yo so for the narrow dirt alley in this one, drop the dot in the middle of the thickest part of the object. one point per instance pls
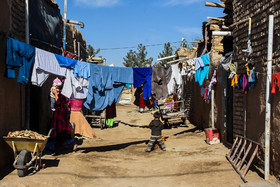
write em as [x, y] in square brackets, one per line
[117, 158]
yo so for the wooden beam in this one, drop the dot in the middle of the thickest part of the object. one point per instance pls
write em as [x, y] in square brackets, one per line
[225, 27]
[218, 5]
[215, 18]
[214, 27]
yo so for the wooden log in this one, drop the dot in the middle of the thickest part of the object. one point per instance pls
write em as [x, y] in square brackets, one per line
[214, 27]
[225, 27]
[218, 5]
[216, 18]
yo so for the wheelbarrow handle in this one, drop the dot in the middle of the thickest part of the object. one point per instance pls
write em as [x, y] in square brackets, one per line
[49, 134]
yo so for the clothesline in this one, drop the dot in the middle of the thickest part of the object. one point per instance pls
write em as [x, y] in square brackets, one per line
[98, 85]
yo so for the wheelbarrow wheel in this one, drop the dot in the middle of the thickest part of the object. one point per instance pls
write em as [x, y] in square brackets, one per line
[23, 158]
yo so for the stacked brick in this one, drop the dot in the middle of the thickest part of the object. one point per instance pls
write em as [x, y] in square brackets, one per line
[74, 36]
[250, 108]
[18, 20]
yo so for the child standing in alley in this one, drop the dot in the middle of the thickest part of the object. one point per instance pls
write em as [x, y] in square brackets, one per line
[156, 126]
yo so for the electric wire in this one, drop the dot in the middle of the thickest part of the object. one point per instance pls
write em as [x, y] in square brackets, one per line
[150, 45]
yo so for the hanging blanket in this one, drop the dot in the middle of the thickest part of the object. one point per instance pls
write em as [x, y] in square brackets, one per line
[106, 85]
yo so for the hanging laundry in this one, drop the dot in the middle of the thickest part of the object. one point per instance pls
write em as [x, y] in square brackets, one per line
[82, 69]
[234, 81]
[127, 86]
[245, 82]
[198, 63]
[65, 61]
[202, 91]
[45, 63]
[275, 82]
[251, 79]
[247, 69]
[225, 62]
[202, 72]
[190, 67]
[20, 55]
[143, 76]
[240, 82]
[68, 54]
[183, 69]
[75, 87]
[159, 83]
[206, 93]
[167, 73]
[232, 69]
[106, 85]
[176, 78]
[212, 82]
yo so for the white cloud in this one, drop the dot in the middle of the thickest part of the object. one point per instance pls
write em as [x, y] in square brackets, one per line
[190, 32]
[98, 3]
[181, 2]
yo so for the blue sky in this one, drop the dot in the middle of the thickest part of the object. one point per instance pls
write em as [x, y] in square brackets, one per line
[127, 23]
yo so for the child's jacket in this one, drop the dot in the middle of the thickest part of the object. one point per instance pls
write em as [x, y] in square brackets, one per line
[156, 126]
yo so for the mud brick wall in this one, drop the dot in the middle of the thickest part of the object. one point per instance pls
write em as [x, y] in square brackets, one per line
[199, 110]
[254, 100]
[73, 36]
[12, 23]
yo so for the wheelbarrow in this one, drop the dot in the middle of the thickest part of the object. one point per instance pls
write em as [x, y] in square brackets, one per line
[30, 151]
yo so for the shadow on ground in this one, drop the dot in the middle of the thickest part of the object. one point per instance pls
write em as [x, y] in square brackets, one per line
[187, 131]
[6, 171]
[141, 176]
[110, 147]
[130, 125]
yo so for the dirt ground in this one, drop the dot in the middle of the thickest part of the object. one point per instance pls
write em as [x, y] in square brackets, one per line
[117, 158]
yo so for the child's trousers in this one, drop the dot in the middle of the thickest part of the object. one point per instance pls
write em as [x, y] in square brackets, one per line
[152, 141]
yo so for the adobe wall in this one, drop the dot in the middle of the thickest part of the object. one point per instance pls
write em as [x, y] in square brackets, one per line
[11, 24]
[254, 127]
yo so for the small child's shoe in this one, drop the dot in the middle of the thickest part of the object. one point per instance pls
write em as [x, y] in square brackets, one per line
[163, 149]
[148, 150]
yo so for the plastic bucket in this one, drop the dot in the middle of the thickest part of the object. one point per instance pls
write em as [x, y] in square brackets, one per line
[212, 136]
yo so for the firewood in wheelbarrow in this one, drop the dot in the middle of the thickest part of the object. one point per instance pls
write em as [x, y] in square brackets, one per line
[26, 134]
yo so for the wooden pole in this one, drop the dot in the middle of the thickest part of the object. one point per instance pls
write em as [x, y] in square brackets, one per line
[218, 5]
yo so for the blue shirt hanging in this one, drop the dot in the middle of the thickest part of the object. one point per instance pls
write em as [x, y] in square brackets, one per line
[65, 61]
[21, 55]
[203, 71]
